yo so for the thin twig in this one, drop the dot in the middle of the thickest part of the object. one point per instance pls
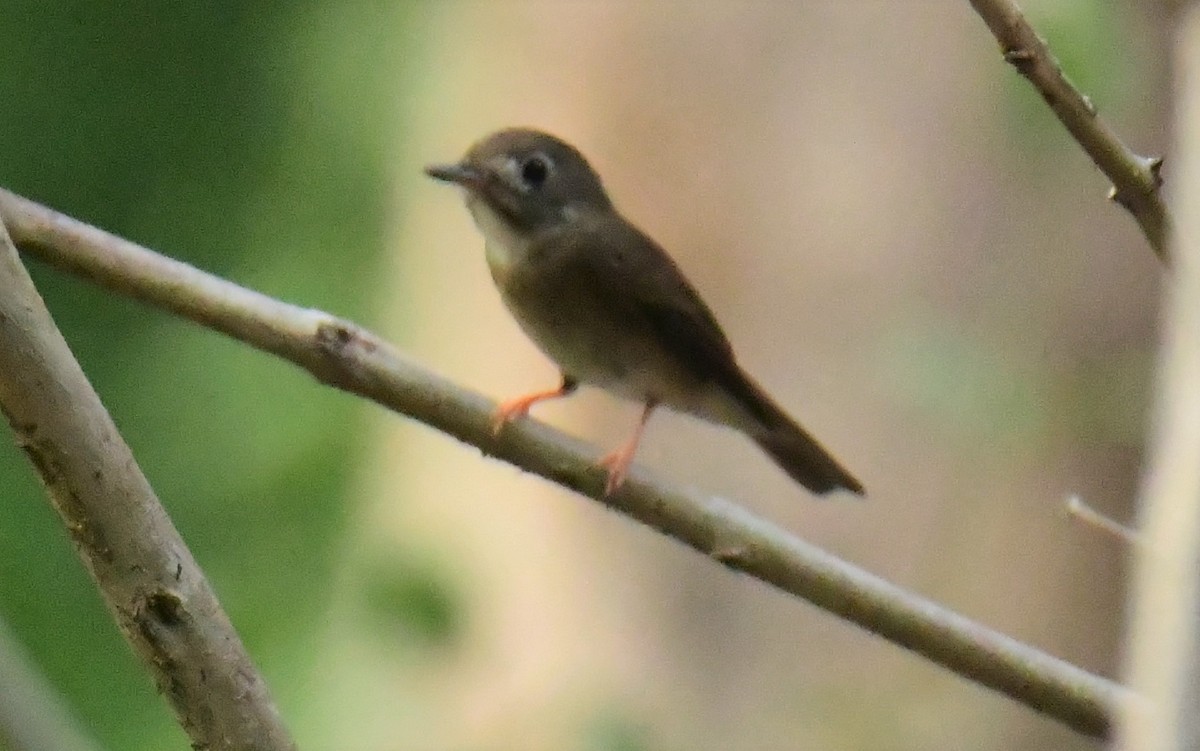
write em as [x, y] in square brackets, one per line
[1079, 509]
[1135, 179]
[155, 590]
[1164, 642]
[347, 357]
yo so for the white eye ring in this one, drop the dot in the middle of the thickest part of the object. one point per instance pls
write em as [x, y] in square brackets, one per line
[534, 170]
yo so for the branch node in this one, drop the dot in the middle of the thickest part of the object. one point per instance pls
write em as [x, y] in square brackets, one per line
[1020, 58]
[734, 555]
[1155, 164]
[166, 607]
[336, 335]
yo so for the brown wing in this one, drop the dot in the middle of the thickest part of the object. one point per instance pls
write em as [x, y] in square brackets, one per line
[630, 272]
[619, 274]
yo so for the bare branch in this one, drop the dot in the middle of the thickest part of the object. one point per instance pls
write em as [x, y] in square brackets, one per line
[1136, 179]
[341, 354]
[1164, 641]
[155, 590]
[1082, 511]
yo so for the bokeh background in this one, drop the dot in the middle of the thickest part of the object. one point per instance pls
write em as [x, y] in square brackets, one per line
[902, 243]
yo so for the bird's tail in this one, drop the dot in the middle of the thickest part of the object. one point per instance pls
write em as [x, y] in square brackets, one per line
[791, 446]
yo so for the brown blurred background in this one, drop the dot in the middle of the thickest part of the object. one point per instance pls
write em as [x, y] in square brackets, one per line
[910, 253]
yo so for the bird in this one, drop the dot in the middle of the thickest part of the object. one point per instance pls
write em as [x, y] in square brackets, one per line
[610, 307]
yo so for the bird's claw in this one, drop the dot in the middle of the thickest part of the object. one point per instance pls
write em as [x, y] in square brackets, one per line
[507, 412]
[617, 463]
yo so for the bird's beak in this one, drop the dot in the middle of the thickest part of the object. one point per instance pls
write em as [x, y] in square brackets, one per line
[459, 174]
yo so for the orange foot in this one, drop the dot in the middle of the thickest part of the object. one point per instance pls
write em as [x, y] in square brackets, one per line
[511, 409]
[618, 461]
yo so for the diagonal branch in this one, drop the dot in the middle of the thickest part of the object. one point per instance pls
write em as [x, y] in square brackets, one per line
[339, 353]
[155, 590]
[1136, 179]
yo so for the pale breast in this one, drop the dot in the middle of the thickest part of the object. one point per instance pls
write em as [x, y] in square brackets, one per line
[502, 246]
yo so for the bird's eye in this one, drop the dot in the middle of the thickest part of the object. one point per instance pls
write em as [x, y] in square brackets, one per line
[535, 170]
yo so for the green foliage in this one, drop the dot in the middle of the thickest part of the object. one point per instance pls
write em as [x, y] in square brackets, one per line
[250, 140]
[964, 385]
[411, 603]
[1090, 40]
[1109, 399]
[614, 730]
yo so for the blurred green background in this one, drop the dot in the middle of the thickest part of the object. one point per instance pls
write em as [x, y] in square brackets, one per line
[993, 305]
[250, 139]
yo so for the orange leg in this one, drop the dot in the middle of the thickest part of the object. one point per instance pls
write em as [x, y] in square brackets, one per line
[511, 409]
[618, 460]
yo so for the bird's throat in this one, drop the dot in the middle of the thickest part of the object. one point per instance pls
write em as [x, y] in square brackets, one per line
[504, 245]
